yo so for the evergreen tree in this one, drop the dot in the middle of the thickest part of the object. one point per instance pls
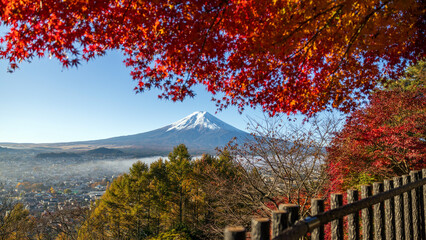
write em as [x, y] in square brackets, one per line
[15, 222]
[179, 169]
[148, 201]
[121, 213]
[179, 198]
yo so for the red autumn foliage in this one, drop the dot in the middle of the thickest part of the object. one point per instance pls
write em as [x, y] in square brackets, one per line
[384, 139]
[284, 55]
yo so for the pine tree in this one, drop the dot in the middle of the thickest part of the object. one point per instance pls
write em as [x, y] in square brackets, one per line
[179, 168]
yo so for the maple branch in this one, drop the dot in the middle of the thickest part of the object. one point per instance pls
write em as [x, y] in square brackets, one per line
[125, 11]
[209, 29]
[355, 36]
[302, 24]
[205, 38]
[337, 13]
[363, 23]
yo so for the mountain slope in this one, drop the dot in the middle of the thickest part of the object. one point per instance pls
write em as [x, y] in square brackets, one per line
[200, 132]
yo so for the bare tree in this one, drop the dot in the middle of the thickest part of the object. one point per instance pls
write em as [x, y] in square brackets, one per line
[284, 163]
[220, 182]
[62, 223]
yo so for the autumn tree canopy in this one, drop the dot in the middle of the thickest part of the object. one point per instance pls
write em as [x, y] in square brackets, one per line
[282, 55]
[385, 138]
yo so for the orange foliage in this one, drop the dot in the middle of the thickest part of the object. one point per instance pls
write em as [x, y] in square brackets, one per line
[283, 55]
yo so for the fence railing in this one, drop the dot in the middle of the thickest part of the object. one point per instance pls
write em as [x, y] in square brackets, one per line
[394, 209]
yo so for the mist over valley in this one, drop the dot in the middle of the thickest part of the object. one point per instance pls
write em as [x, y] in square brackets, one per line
[44, 177]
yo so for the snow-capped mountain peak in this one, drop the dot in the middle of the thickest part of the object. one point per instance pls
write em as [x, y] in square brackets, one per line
[201, 132]
[200, 120]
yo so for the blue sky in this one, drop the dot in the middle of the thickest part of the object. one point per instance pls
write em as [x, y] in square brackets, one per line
[41, 102]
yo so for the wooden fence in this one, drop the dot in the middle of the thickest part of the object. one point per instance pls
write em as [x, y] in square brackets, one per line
[394, 209]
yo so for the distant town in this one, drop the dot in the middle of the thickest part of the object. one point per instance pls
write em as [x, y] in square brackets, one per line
[50, 177]
[46, 182]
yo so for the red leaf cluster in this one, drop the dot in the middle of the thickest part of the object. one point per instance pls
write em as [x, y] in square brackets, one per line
[387, 138]
[283, 55]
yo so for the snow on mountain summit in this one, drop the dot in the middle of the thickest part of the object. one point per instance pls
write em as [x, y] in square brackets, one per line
[200, 120]
[201, 132]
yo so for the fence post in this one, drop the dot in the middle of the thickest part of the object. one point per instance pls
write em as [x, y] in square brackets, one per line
[389, 216]
[367, 215]
[353, 219]
[399, 213]
[317, 206]
[414, 175]
[378, 212]
[279, 222]
[260, 229]
[336, 200]
[235, 233]
[408, 230]
[293, 212]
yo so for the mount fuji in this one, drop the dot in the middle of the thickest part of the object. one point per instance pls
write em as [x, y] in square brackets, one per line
[200, 132]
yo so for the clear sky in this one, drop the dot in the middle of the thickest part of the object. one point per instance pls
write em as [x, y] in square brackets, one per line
[41, 103]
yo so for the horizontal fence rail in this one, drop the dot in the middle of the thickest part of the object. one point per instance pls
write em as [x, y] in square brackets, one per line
[394, 209]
